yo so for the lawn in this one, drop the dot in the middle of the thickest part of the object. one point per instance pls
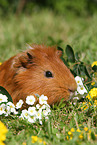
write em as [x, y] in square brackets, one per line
[48, 28]
[67, 124]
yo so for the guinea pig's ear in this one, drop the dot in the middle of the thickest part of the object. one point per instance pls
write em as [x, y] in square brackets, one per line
[30, 47]
[59, 51]
[23, 61]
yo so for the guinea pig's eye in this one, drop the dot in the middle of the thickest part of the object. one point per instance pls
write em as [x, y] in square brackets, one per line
[48, 74]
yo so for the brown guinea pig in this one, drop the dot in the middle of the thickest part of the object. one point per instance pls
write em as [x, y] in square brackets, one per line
[38, 70]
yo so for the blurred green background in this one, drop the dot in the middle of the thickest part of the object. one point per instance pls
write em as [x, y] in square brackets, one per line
[49, 22]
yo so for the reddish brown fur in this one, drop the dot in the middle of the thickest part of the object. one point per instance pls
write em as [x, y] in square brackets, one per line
[22, 75]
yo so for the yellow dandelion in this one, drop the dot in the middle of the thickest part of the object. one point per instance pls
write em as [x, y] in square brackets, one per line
[81, 136]
[72, 130]
[24, 143]
[86, 129]
[3, 131]
[94, 63]
[89, 134]
[85, 106]
[34, 139]
[71, 137]
[78, 130]
[95, 135]
[1, 143]
[95, 102]
[44, 143]
[39, 140]
[92, 94]
[89, 131]
[67, 137]
[93, 83]
[69, 133]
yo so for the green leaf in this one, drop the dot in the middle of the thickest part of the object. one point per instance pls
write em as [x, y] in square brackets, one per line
[70, 53]
[93, 136]
[4, 92]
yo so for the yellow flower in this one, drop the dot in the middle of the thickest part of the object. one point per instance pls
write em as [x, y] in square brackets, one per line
[1, 143]
[2, 137]
[44, 143]
[95, 102]
[67, 137]
[78, 130]
[69, 133]
[95, 135]
[92, 94]
[93, 83]
[3, 131]
[72, 130]
[85, 106]
[24, 143]
[81, 136]
[89, 131]
[3, 128]
[94, 63]
[34, 139]
[71, 137]
[85, 128]
[38, 140]
[0, 63]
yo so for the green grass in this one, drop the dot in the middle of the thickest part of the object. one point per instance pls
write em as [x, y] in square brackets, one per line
[48, 28]
[55, 130]
[80, 33]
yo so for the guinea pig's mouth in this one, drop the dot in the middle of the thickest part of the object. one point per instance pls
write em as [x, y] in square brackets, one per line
[71, 94]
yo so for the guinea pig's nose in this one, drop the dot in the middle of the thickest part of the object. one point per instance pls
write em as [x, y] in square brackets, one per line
[72, 89]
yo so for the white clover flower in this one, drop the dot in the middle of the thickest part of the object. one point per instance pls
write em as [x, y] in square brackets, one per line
[40, 121]
[39, 115]
[30, 100]
[81, 89]
[46, 117]
[31, 111]
[24, 114]
[76, 93]
[3, 98]
[43, 99]
[78, 80]
[19, 104]
[8, 111]
[12, 107]
[43, 107]
[47, 106]
[45, 112]
[32, 119]
[76, 98]
[37, 106]
[2, 109]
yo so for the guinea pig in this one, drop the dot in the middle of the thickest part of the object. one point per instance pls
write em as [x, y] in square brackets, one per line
[38, 70]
